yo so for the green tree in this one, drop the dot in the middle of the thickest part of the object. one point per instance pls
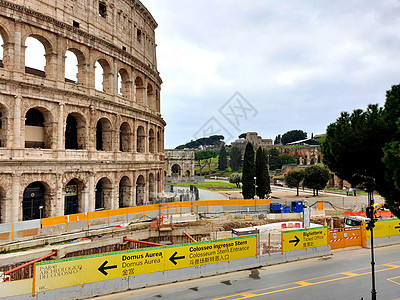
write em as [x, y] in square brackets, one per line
[274, 159]
[236, 159]
[236, 178]
[203, 157]
[243, 135]
[292, 136]
[213, 140]
[294, 179]
[249, 172]
[287, 159]
[316, 178]
[222, 158]
[263, 186]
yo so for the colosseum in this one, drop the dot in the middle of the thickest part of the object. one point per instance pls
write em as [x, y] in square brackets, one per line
[82, 131]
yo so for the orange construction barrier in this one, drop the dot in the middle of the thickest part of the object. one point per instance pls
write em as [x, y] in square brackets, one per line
[345, 237]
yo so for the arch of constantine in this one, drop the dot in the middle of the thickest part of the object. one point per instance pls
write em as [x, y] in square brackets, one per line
[179, 163]
[83, 131]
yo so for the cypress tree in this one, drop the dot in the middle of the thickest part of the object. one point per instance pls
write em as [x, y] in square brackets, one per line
[262, 175]
[249, 172]
[222, 158]
[236, 159]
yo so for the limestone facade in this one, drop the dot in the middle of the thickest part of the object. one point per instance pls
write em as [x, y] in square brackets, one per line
[65, 146]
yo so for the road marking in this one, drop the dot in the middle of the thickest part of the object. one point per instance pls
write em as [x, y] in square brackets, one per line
[395, 282]
[314, 281]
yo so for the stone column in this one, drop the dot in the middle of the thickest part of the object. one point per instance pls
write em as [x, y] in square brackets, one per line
[133, 190]
[90, 205]
[16, 205]
[17, 122]
[19, 49]
[59, 202]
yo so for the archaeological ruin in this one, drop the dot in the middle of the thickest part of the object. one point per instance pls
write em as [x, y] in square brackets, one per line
[81, 128]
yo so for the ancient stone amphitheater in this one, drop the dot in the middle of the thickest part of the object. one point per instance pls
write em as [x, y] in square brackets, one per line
[83, 131]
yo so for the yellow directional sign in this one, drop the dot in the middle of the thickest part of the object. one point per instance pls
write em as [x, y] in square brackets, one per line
[207, 253]
[383, 228]
[304, 238]
[93, 268]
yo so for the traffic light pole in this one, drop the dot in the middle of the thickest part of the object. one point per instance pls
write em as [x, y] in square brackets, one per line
[371, 226]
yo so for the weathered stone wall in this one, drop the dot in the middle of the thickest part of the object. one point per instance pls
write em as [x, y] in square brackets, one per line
[119, 140]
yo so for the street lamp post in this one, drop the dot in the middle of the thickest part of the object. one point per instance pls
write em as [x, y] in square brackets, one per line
[255, 193]
[371, 225]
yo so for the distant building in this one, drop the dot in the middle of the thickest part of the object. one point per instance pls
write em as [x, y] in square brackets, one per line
[179, 163]
[253, 138]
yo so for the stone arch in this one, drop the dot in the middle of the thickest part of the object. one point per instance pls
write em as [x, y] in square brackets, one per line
[104, 135]
[152, 146]
[73, 196]
[140, 140]
[103, 194]
[139, 90]
[125, 137]
[187, 173]
[176, 170]
[151, 102]
[38, 128]
[35, 201]
[3, 125]
[37, 62]
[152, 188]
[124, 193]
[140, 190]
[75, 131]
[124, 83]
[71, 67]
[103, 75]
[1, 49]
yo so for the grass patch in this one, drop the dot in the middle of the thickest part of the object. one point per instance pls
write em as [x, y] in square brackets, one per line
[211, 186]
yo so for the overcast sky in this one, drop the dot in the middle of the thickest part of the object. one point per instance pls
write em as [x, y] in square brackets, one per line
[297, 63]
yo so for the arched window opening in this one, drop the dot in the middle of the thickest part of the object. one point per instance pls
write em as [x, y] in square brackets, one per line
[102, 76]
[98, 77]
[176, 170]
[140, 190]
[150, 97]
[158, 104]
[124, 85]
[187, 173]
[1, 52]
[75, 132]
[139, 90]
[34, 201]
[152, 147]
[71, 133]
[37, 133]
[103, 194]
[124, 198]
[120, 84]
[103, 135]
[159, 142]
[35, 59]
[71, 67]
[141, 140]
[72, 196]
[125, 137]
[152, 189]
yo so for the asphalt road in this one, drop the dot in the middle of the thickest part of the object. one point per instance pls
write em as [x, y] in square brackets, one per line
[344, 275]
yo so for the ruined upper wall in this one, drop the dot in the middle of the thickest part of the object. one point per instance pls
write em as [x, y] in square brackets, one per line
[127, 24]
